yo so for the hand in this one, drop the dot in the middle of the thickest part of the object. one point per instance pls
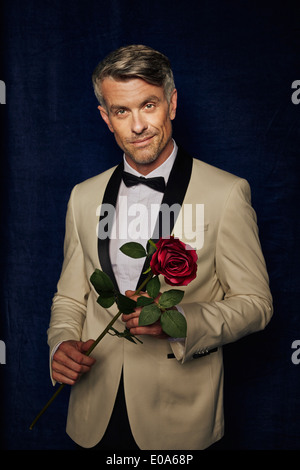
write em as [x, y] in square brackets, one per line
[132, 320]
[69, 361]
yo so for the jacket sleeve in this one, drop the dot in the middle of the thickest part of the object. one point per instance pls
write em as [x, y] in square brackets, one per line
[68, 309]
[241, 272]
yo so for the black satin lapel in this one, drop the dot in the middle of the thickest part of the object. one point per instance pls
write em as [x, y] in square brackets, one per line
[177, 185]
[175, 192]
[110, 197]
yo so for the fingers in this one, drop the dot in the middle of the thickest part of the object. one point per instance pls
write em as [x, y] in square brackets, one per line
[132, 319]
[137, 311]
[154, 330]
[69, 361]
[132, 323]
[134, 296]
[130, 293]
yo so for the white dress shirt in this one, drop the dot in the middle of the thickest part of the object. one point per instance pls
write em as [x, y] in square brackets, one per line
[135, 217]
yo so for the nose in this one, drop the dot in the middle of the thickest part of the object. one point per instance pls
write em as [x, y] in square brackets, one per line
[138, 123]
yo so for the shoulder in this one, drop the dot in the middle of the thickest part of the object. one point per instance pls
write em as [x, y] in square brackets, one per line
[89, 193]
[92, 187]
[214, 177]
[210, 183]
[204, 170]
[96, 181]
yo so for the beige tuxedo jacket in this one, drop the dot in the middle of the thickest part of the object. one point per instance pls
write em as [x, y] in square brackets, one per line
[174, 392]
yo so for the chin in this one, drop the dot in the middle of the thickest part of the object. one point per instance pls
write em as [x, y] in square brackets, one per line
[145, 159]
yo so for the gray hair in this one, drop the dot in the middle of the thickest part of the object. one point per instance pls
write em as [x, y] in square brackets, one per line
[134, 61]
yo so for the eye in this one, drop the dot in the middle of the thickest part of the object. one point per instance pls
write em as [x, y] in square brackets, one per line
[121, 112]
[149, 106]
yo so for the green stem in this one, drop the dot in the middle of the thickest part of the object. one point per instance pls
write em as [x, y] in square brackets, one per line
[144, 283]
[46, 406]
[88, 352]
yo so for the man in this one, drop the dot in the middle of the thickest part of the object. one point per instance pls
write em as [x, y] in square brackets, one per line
[173, 387]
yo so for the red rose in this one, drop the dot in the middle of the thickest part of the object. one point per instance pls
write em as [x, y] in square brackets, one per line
[175, 261]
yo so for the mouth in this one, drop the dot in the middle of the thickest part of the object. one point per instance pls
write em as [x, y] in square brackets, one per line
[142, 142]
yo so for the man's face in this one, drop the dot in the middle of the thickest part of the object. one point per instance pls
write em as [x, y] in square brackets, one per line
[140, 117]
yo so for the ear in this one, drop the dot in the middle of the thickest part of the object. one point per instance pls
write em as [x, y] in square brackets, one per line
[105, 117]
[173, 104]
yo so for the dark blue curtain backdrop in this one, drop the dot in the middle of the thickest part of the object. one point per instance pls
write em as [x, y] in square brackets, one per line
[234, 64]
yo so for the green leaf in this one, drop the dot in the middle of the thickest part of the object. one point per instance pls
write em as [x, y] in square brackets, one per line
[142, 301]
[151, 247]
[170, 298]
[173, 323]
[101, 281]
[125, 304]
[149, 314]
[134, 250]
[106, 301]
[153, 287]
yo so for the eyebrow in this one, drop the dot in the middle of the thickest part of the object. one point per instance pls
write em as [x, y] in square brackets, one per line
[151, 98]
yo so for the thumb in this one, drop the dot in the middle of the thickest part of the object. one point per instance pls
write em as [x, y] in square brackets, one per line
[129, 293]
[85, 346]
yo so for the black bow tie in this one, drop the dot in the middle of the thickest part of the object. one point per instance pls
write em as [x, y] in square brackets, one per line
[157, 183]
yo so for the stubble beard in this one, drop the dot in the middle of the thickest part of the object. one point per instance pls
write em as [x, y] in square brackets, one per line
[147, 155]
